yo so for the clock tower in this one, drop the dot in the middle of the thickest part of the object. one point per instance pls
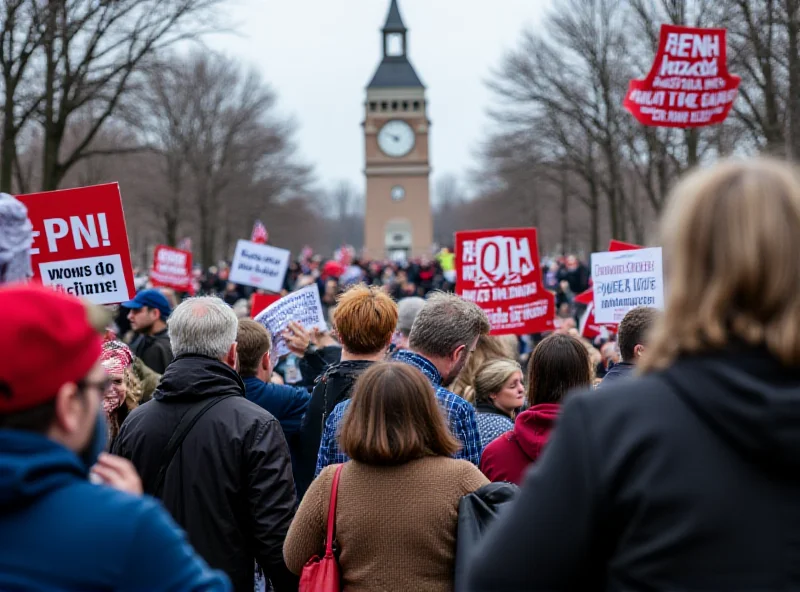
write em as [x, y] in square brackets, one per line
[398, 220]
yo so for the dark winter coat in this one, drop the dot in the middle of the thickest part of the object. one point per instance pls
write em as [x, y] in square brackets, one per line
[154, 350]
[686, 479]
[230, 484]
[333, 387]
[58, 531]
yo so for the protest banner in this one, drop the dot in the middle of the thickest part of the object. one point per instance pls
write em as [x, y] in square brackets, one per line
[689, 84]
[303, 306]
[499, 271]
[261, 301]
[624, 280]
[80, 243]
[260, 266]
[172, 268]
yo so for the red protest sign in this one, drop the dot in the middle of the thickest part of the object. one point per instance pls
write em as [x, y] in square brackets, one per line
[172, 268]
[260, 302]
[80, 242]
[499, 270]
[689, 84]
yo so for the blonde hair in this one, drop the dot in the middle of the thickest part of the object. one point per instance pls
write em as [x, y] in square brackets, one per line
[489, 348]
[730, 235]
[491, 377]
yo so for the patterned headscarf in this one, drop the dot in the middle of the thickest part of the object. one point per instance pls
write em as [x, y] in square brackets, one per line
[116, 360]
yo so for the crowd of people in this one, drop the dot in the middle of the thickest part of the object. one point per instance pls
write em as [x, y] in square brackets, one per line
[177, 452]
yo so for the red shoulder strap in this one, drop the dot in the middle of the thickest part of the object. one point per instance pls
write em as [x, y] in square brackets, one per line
[332, 512]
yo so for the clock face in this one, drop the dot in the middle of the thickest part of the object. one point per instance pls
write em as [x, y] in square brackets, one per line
[396, 138]
[398, 192]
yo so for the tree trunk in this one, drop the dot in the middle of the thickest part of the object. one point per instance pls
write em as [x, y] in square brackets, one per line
[564, 215]
[793, 103]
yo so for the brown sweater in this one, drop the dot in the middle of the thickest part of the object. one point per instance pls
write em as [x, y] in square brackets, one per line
[395, 526]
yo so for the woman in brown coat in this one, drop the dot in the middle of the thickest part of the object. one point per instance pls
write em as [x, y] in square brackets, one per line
[398, 498]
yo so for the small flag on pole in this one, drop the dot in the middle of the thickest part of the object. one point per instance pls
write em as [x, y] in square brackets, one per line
[260, 234]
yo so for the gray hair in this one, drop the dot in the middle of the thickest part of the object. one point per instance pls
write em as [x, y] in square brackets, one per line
[446, 322]
[202, 326]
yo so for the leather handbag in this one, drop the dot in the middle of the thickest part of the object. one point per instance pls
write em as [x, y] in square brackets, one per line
[323, 574]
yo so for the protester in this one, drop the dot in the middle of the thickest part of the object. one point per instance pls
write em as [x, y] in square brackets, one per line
[397, 508]
[230, 485]
[634, 331]
[499, 394]
[444, 334]
[558, 364]
[407, 310]
[610, 356]
[59, 531]
[684, 478]
[149, 311]
[490, 347]
[16, 238]
[286, 403]
[365, 319]
[576, 274]
[124, 391]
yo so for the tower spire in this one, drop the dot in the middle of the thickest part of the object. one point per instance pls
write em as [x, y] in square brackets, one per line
[394, 22]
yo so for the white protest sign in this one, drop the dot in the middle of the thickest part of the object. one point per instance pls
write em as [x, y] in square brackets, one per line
[303, 306]
[624, 280]
[261, 266]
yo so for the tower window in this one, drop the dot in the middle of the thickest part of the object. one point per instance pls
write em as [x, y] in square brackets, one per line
[373, 106]
[405, 105]
[384, 106]
[416, 105]
[394, 105]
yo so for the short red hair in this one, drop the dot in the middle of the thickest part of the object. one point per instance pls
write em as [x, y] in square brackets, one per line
[365, 319]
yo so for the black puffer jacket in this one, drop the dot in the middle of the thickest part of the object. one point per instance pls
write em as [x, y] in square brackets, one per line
[686, 479]
[333, 387]
[154, 350]
[230, 484]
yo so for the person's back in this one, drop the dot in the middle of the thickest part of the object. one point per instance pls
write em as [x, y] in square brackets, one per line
[685, 478]
[229, 485]
[58, 530]
[397, 507]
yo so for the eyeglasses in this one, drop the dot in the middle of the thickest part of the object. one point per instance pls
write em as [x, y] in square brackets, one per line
[100, 385]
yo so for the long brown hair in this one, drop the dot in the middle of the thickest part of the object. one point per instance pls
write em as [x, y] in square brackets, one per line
[394, 418]
[730, 237]
[559, 364]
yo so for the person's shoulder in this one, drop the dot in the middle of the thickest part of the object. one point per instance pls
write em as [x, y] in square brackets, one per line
[106, 505]
[341, 408]
[452, 470]
[454, 401]
[500, 444]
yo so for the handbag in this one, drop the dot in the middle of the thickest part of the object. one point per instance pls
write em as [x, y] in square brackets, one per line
[323, 574]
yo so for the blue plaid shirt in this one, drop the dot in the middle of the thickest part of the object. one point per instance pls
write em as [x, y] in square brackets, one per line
[460, 415]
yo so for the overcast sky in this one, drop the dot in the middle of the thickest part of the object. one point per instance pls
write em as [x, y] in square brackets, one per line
[319, 56]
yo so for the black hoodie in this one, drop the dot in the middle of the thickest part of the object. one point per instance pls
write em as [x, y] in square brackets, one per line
[688, 479]
[230, 484]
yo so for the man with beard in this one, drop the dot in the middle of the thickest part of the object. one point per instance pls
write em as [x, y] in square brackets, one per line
[61, 531]
[444, 335]
[148, 315]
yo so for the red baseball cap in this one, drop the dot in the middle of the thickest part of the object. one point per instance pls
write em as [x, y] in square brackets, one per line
[48, 339]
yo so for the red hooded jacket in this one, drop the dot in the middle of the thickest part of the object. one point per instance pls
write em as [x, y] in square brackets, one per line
[507, 457]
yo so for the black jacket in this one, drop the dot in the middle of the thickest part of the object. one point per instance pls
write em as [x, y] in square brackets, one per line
[688, 479]
[154, 350]
[230, 484]
[333, 387]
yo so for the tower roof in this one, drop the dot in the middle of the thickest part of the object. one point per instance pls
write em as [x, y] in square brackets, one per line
[394, 22]
[395, 72]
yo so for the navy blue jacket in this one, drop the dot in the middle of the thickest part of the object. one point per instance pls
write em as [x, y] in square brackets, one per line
[287, 404]
[618, 372]
[60, 532]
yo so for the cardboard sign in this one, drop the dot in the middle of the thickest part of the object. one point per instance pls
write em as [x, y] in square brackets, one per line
[499, 271]
[303, 306]
[261, 302]
[689, 84]
[80, 243]
[625, 280]
[172, 268]
[261, 266]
